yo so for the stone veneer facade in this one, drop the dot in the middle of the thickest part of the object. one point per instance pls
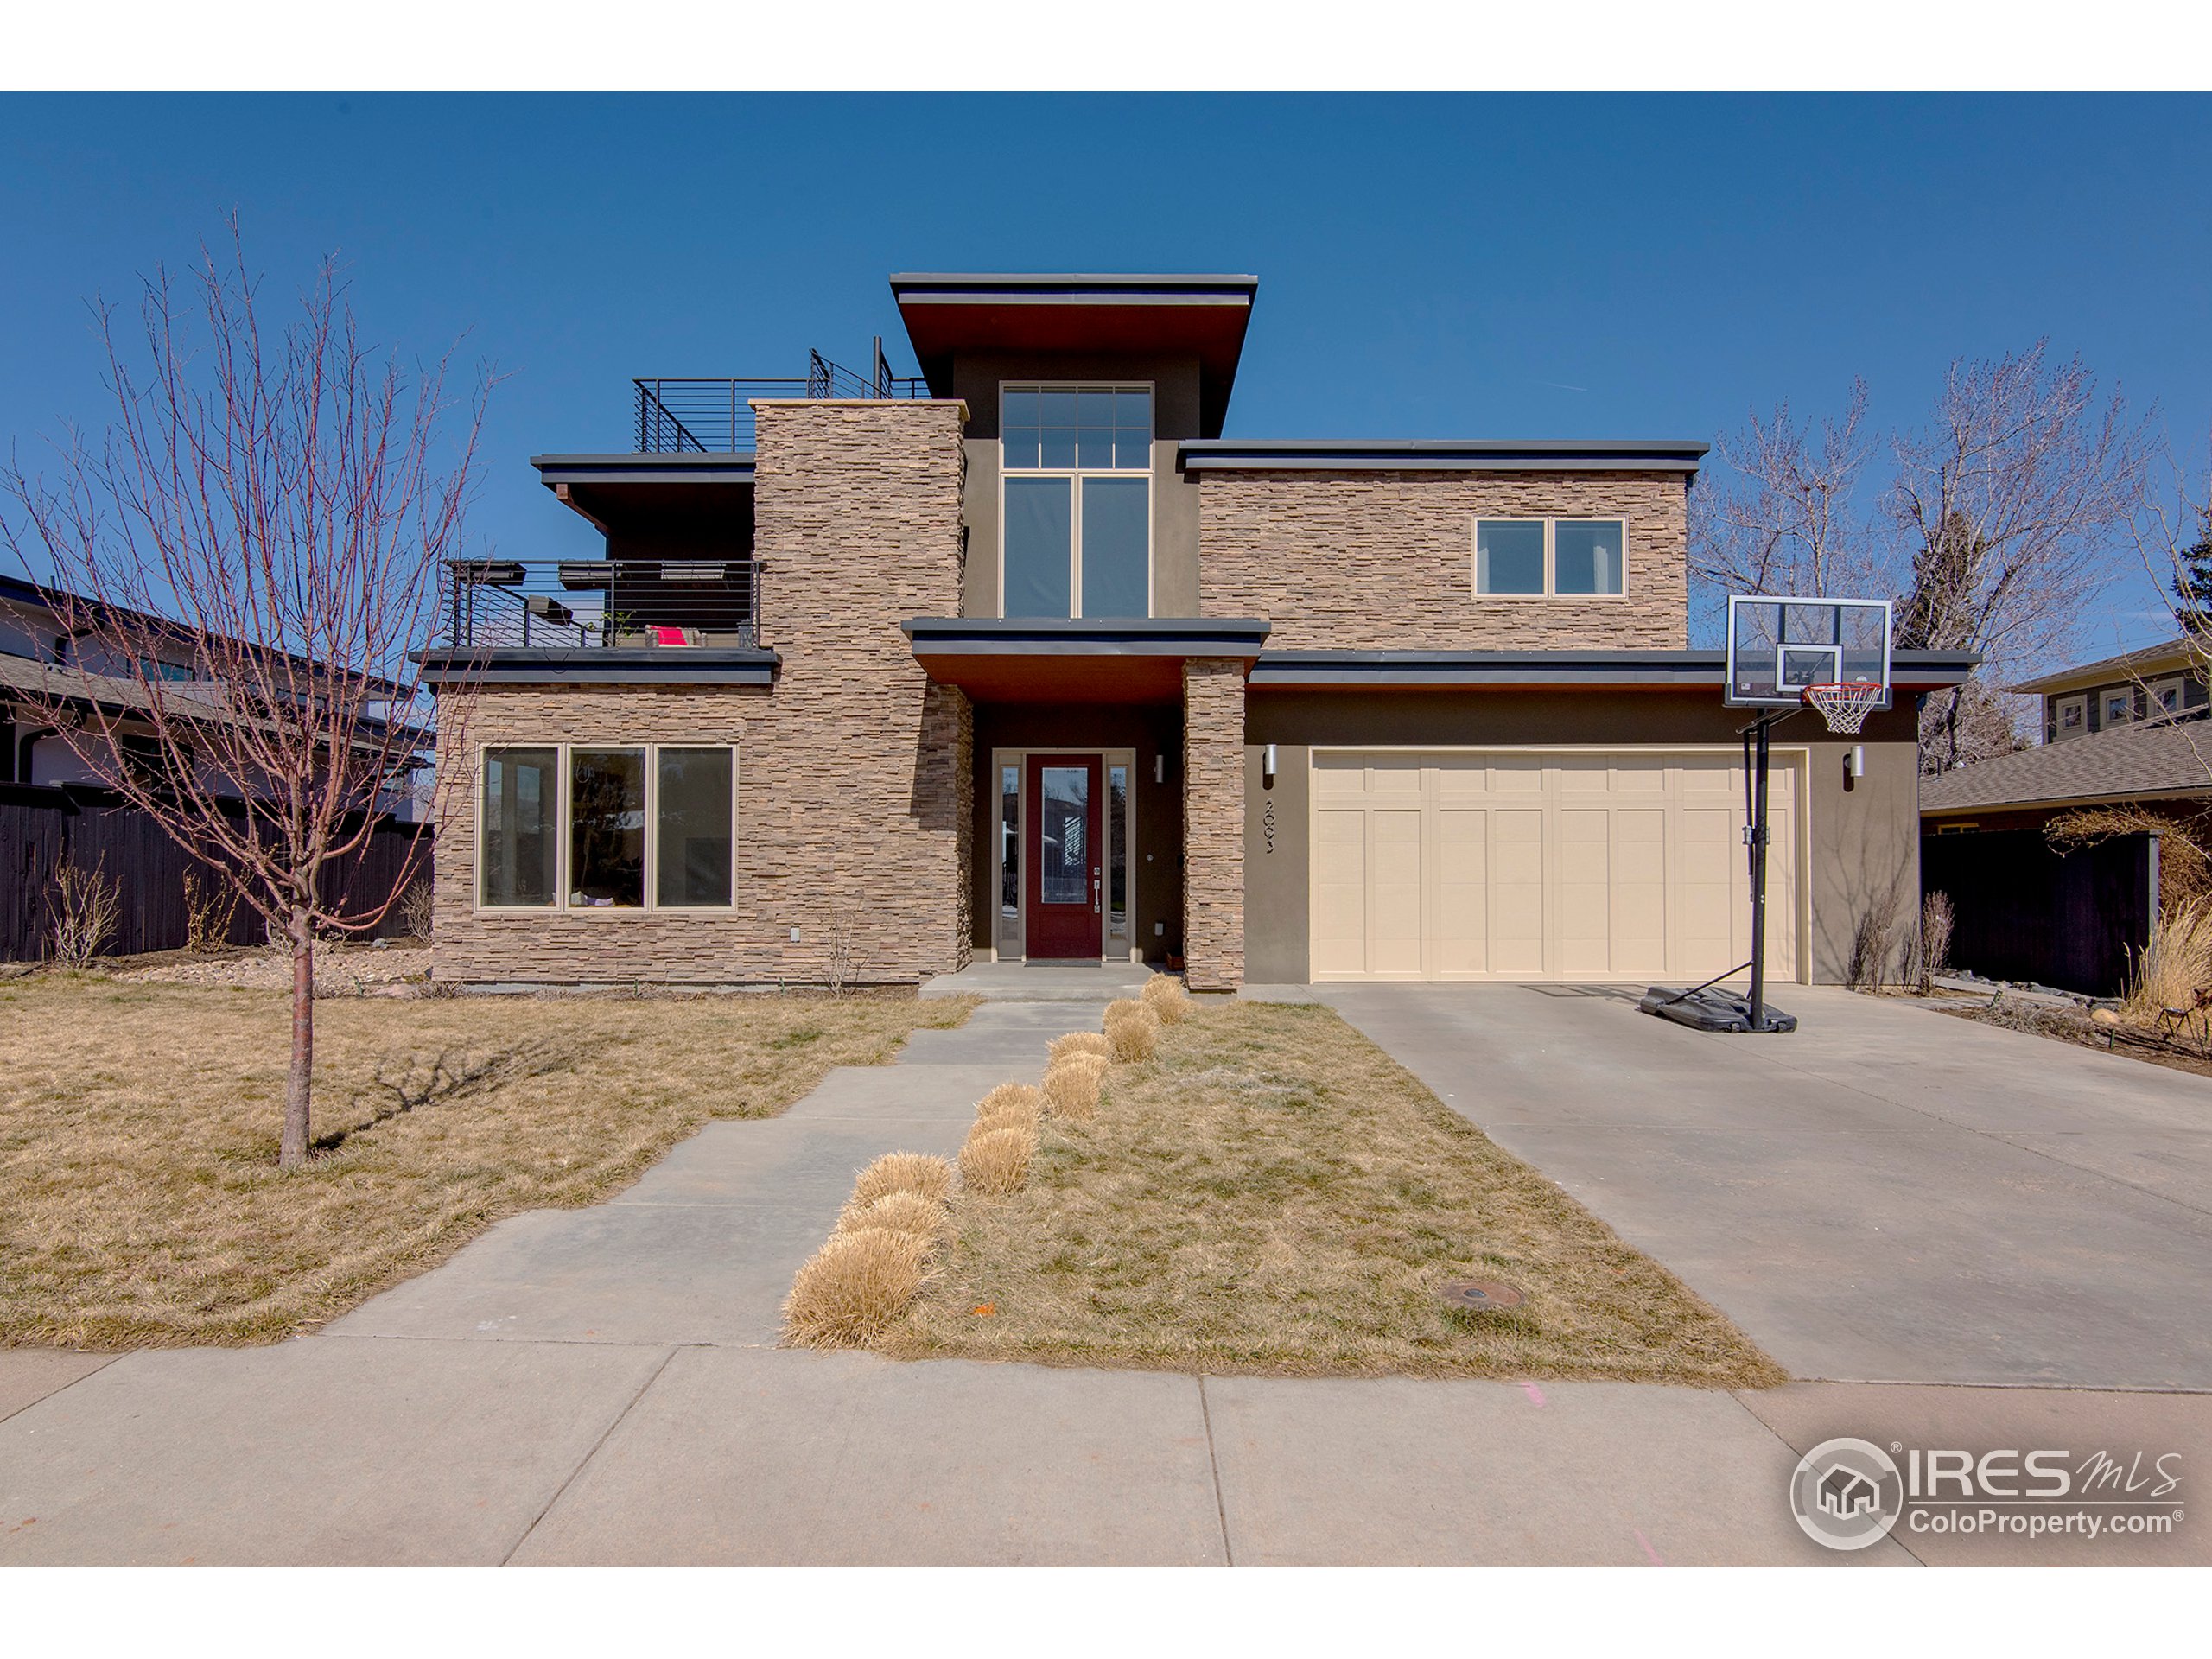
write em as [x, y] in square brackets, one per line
[1213, 824]
[1381, 560]
[853, 770]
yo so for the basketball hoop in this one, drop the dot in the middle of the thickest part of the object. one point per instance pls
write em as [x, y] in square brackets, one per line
[1845, 703]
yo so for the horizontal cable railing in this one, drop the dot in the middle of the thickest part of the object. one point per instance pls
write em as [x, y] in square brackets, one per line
[676, 416]
[556, 604]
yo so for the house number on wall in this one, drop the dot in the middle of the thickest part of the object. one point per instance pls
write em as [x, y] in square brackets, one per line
[1267, 826]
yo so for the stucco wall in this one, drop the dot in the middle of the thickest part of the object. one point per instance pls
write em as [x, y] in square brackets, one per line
[1174, 381]
[1385, 560]
[853, 771]
[1865, 839]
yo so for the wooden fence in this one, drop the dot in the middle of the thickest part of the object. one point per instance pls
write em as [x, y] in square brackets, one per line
[2026, 913]
[44, 827]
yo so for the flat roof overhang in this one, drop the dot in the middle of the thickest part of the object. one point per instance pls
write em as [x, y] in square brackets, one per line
[1103, 659]
[1441, 455]
[1201, 315]
[602, 665]
[1910, 671]
[640, 489]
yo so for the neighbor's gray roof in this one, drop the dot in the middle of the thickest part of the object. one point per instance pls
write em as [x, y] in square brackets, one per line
[2167, 758]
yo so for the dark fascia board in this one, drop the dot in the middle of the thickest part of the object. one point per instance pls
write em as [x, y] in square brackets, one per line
[1689, 668]
[1441, 455]
[1004, 288]
[1166, 636]
[597, 665]
[733, 469]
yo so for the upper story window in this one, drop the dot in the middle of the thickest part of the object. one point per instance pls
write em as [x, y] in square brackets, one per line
[1077, 474]
[2070, 717]
[1551, 558]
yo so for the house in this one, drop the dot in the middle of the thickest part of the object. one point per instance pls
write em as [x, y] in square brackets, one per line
[55, 810]
[1025, 659]
[2162, 680]
[2126, 756]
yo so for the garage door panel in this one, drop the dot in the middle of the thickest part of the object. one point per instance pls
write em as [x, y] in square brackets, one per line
[1461, 942]
[1339, 893]
[1482, 864]
[1394, 894]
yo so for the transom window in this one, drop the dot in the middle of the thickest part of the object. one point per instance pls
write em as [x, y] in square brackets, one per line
[1077, 466]
[1551, 558]
[607, 827]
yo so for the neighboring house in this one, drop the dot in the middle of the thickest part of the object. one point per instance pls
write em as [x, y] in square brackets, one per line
[1026, 660]
[2157, 680]
[2078, 918]
[55, 810]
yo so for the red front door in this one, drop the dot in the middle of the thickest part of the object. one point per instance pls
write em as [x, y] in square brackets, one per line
[1062, 853]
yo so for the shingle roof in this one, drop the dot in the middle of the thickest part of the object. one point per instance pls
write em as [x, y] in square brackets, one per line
[2169, 758]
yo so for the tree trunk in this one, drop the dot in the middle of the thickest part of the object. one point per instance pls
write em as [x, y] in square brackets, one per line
[292, 1150]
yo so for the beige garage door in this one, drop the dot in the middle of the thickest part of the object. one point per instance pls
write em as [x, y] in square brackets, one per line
[1513, 864]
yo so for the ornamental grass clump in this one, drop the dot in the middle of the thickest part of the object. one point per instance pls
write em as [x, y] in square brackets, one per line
[1072, 1086]
[1012, 1106]
[1132, 1030]
[903, 1171]
[900, 1212]
[996, 1161]
[1078, 1042]
[855, 1286]
[2176, 968]
[1164, 996]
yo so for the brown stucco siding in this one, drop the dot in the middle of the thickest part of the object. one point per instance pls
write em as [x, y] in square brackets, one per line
[852, 771]
[1213, 824]
[1385, 560]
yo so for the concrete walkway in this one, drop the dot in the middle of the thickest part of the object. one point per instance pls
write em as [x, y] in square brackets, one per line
[598, 1386]
[1887, 1194]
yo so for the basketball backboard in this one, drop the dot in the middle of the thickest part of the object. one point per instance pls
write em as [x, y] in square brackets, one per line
[1777, 647]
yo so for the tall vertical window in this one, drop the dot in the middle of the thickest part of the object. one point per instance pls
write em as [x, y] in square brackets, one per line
[693, 803]
[607, 827]
[520, 854]
[1077, 469]
[1117, 860]
[1009, 935]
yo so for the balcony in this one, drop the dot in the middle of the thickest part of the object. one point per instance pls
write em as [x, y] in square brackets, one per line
[571, 605]
[714, 417]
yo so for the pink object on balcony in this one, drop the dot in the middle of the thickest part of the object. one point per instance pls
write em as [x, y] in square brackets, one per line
[671, 636]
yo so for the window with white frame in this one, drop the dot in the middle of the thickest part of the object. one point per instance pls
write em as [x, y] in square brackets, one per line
[1077, 476]
[607, 827]
[2070, 716]
[1551, 558]
[2119, 706]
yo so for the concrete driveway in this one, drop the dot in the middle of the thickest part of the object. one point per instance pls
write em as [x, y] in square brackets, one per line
[1886, 1194]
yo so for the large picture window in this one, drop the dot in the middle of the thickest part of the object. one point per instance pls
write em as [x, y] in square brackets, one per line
[1555, 558]
[1077, 469]
[606, 827]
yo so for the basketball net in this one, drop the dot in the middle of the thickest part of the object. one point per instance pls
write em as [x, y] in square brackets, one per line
[1845, 704]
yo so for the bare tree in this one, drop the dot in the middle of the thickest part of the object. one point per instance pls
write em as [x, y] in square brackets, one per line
[2008, 503]
[1781, 514]
[251, 553]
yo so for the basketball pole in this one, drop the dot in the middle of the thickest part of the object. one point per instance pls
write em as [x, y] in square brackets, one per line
[1755, 832]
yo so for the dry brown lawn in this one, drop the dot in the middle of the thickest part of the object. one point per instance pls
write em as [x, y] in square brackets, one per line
[1272, 1194]
[140, 1202]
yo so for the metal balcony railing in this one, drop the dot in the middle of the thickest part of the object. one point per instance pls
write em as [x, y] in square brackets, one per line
[677, 415]
[570, 604]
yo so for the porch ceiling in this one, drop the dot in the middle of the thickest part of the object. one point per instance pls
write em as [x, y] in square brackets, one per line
[1084, 660]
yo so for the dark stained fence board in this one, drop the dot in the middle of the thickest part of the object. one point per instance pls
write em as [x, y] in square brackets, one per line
[2026, 914]
[40, 828]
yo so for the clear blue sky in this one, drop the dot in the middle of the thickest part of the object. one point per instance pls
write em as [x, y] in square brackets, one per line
[1622, 266]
